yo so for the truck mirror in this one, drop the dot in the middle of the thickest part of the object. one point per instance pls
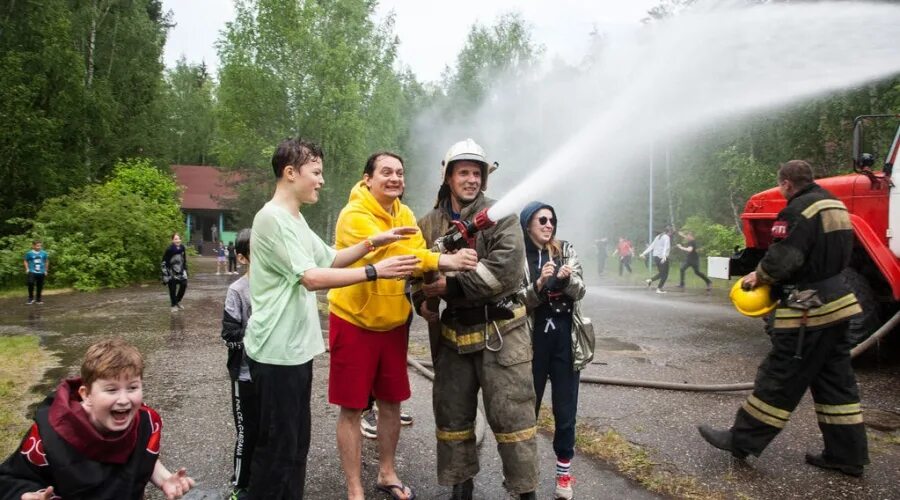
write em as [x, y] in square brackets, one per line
[857, 143]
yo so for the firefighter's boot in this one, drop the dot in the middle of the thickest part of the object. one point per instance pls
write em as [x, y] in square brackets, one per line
[825, 463]
[463, 490]
[721, 439]
[528, 496]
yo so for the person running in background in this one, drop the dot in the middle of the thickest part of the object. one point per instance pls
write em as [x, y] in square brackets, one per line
[625, 252]
[174, 271]
[692, 260]
[37, 263]
[221, 258]
[659, 249]
[244, 405]
[232, 259]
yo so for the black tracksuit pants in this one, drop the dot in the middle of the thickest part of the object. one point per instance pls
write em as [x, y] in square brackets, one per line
[781, 382]
[553, 360]
[625, 262]
[662, 273]
[245, 408]
[35, 283]
[695, 265]
[278, 471]
[175, 297]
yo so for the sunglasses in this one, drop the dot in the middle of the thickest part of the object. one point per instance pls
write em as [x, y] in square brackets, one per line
[543, 220]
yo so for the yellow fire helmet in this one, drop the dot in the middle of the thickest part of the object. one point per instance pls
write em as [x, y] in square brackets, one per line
[753, 303]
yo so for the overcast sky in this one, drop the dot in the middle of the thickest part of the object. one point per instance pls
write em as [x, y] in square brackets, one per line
[431, 33]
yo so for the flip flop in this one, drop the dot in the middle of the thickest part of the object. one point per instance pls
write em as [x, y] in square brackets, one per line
[391, 488]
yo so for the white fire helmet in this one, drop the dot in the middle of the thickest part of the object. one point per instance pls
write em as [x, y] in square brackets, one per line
[463, 150]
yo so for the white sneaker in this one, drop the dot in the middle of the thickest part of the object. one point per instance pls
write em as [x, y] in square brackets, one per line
[660, 290]
[175, 309]
[564, 487]
[649, 282]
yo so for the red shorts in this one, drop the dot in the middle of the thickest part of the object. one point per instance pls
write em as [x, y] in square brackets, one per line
[365, 362]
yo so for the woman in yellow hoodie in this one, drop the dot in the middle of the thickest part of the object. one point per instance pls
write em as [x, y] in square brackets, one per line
[369, 322]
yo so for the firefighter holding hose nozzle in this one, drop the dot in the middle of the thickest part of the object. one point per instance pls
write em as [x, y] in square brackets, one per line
[812, 243]
[481, 340]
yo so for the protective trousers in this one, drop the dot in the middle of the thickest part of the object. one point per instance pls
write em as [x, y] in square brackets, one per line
[505, 380]
[781, 382]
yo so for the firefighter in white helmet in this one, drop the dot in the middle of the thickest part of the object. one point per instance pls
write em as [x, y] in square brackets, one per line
[481, 341]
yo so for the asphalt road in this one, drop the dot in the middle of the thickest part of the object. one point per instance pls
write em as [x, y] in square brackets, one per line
[698, 338]
[688, 336]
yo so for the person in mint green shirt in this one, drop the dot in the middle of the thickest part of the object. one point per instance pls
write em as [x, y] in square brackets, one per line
[290, 262]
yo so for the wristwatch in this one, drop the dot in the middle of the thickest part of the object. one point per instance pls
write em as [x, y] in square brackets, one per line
[371, 274]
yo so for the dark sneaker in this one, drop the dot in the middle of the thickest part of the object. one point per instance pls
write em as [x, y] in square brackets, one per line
[528, 496]
[824, 463]
[463, 490]
[405, 418]
[368, 424]
[722, 440]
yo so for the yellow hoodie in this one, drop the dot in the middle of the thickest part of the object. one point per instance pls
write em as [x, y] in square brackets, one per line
[379, 305]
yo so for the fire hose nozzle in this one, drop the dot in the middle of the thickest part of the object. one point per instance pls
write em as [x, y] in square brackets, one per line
[462, 234]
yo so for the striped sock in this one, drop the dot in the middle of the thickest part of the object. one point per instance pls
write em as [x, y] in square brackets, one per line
[563, 467]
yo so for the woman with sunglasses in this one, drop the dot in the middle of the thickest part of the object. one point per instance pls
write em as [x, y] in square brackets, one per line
[562, 340]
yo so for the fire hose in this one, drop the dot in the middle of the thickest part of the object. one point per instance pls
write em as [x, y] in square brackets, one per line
[422, 367]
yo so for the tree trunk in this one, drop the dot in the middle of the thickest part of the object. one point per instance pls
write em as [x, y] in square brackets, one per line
[735, 212]
[112, 50]
[92, 41]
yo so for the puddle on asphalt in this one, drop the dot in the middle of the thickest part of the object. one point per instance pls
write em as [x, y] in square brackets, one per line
[68, 323]
[619, 349]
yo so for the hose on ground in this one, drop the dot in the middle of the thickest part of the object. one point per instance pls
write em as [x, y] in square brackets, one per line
[671, 386]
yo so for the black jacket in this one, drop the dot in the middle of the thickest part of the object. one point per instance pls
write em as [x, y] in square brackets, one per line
[812, 243]
[45, 459]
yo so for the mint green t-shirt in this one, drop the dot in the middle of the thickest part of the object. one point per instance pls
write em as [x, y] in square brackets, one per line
[284, 327]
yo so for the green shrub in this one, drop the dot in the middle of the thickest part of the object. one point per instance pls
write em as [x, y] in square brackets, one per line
[103, 235]
[713, 238]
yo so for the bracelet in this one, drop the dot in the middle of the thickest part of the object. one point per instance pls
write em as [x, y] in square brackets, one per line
[370, 245]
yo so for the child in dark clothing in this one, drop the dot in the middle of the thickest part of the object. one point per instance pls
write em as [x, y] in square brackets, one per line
[243, 395]
[94, 439]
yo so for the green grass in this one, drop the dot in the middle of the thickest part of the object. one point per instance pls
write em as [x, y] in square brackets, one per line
[633, 461]
[22, 363]
[22, 291]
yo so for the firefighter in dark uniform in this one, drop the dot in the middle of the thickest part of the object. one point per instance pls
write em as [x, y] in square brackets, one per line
[812, 242]
[481, 341]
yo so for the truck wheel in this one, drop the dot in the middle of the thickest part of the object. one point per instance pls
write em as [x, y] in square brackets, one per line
[865, 324]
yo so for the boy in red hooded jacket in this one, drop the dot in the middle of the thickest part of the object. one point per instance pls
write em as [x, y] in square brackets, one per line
[94, 439]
